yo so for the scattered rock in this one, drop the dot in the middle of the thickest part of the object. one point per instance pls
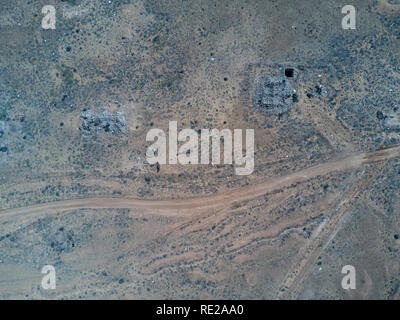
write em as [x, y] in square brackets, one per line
[61, 241]
[391, 121]
[321, 90]
[93, 122]
[274, 94]
[379, 115]
[318, 90]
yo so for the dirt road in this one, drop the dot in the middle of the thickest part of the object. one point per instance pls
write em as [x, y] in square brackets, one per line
[175, 207]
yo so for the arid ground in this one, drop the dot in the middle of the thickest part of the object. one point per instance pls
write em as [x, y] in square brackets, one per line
[76, 191]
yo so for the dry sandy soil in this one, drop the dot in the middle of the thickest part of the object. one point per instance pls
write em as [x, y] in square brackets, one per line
[325, 188]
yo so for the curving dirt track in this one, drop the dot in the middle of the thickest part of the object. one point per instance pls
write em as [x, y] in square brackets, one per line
[174, 207]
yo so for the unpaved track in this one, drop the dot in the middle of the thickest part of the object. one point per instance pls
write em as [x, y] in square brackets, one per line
[174, 207]
[299, 271]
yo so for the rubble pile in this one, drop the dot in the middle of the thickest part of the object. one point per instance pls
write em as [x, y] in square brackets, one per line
[93, 122]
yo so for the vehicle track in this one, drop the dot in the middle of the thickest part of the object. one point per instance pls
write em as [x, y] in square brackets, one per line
[175, 207]
[290, 286]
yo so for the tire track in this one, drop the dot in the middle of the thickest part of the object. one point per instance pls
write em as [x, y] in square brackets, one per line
[176, 207]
